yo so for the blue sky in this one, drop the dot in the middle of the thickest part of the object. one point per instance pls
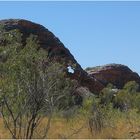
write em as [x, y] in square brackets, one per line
[96, 33]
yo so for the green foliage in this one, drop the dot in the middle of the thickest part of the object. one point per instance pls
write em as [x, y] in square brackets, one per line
[11, 37]
[101, 116]
[2, 30]
[107, 94]
[131, 87]
[128, 97]
[31, 87]
[24, 66]
[124, 99]
[87, 106]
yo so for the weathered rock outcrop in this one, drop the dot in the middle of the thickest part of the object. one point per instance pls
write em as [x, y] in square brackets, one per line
[54, 47]
[116, 74]
[94, 78]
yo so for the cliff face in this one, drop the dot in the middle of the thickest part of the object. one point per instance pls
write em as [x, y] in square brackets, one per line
[116, 74]
[54, 48]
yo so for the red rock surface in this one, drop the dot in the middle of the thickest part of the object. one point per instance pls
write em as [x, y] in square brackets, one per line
[116, 74]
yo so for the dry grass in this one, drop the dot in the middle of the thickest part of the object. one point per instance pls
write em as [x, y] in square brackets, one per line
[3, 131]
[78, 128]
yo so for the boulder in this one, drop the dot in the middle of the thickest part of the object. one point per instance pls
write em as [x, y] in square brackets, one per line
[115, 74]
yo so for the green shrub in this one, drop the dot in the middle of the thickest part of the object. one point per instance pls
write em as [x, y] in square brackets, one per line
[107, 94]
[131, 87]
[128, 97]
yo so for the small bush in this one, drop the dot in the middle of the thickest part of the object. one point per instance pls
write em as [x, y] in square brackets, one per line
[107, 94]
[128, 97]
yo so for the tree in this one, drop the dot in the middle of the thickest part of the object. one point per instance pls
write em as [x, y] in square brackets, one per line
[31, 88]
[128, 97]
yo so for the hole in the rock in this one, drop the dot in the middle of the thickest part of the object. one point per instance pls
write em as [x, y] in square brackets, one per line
[70, 69]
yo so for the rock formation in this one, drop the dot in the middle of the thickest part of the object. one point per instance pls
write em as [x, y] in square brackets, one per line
[95, 79]
[116, 74]
[52, 45]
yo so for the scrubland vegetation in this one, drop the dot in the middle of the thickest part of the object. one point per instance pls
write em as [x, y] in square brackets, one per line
[37, 99]
[92, 120]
